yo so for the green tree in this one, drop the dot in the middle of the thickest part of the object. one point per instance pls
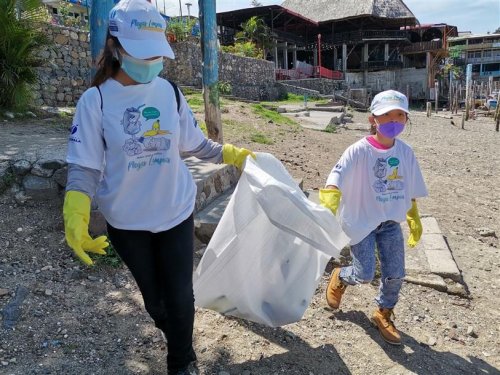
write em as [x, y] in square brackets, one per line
[497, 31]
[20, 39]
[255, 3]
[256, 31]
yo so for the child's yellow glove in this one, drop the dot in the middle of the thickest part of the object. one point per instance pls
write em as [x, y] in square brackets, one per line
[413, 220]
[234, 155]
[330, 199]
[76, 212]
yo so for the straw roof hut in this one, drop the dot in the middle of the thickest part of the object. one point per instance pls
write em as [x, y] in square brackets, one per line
[336, 10]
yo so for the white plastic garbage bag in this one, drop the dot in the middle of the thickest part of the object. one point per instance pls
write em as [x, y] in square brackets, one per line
[269, 250]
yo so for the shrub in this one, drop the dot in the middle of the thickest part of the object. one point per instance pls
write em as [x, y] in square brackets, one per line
[20, 39]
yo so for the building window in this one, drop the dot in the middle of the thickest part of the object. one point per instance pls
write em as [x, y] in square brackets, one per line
[491, 67]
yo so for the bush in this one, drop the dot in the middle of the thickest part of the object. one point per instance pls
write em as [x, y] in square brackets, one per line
[20, 39]
[225, 88]
[246, 49]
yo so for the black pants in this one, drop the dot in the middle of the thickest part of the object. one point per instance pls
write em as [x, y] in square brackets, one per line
[162, 265]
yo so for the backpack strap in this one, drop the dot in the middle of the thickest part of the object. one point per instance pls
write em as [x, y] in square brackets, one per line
[176, 91]
[177, 95]
[100, 94]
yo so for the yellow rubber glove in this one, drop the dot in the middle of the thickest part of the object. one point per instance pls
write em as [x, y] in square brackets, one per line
[330, 199]
[76, 212]
[413, 220]
[234, 155]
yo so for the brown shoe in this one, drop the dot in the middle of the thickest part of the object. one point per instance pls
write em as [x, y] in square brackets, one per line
[381, 318]
[335, 289]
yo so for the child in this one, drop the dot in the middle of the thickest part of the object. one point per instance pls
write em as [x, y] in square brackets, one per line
[376, 182]
[124, 150]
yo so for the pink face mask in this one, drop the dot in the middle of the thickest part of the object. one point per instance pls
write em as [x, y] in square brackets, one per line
[390, 129]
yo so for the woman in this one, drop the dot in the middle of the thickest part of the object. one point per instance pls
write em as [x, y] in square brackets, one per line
[124, 151]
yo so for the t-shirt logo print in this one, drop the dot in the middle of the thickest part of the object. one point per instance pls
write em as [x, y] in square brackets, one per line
[387, 181]
[151, 139]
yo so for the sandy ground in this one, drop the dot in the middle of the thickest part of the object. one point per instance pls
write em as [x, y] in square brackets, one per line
[77, 320]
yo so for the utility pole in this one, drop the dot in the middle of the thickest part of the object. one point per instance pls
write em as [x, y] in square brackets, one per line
[99, 15]
[180, 9]
[188, 5]
[208, 26]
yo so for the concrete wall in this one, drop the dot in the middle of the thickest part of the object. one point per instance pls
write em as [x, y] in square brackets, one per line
[322, 85]
[416, 79]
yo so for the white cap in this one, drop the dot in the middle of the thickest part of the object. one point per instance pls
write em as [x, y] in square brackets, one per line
[140, 28]
[386, 101]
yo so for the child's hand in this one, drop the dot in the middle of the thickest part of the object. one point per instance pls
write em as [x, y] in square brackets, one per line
[415, 225]
[330, 199]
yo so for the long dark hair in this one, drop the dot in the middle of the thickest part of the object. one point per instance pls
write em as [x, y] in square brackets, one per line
[108, 65]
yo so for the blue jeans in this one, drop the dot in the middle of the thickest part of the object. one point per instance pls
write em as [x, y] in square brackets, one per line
[390, 243]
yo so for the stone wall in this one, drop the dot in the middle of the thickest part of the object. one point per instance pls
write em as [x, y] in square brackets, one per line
[66, 72]
[249, 78]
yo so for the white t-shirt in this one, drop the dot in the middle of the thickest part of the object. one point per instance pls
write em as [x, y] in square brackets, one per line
[135, 142]
[377, 185]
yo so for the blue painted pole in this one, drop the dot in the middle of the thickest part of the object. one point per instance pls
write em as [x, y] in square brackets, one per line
[99, 13]
[208, 25]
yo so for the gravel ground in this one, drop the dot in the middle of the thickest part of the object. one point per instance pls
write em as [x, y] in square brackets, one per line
[78, 320]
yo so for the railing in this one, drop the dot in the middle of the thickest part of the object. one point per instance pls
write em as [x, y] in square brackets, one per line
[457, 61]
[319, 72]
[381, 64]
[322, 72]
[479, 60]
[423, 47]
[356, 36]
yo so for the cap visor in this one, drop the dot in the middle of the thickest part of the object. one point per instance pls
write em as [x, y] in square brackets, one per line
[381, 111]
[145, 49]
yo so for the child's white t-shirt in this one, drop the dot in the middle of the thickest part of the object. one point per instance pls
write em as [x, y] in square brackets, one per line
[135, 142]
[377, 185]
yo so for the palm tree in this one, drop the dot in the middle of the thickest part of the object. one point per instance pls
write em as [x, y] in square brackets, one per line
[20, 39]
[255, 30]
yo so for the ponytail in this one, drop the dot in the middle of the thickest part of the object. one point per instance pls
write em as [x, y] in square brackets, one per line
[108, 65]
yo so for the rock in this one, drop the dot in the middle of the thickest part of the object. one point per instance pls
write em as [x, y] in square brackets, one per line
[21, 167]
[12, 311]
[9, 115]
[432, 341]
[41, 171]
[3, 292]
[39, 188]
[48, 292]
[486, 232]
[470, 332]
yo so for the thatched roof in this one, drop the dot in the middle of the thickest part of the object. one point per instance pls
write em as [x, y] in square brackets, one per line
[332, 10]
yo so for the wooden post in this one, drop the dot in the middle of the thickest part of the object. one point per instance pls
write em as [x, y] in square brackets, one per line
[436, 94]
[429, 109]
[99, 16]
[463, 120]
[497, 114]
[208, 26]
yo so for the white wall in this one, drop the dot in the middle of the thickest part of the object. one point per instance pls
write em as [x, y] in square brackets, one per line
[393, 79]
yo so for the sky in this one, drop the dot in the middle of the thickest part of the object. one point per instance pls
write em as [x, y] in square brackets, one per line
[478, 16]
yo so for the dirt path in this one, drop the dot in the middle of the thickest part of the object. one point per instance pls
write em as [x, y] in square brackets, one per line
[91, 321]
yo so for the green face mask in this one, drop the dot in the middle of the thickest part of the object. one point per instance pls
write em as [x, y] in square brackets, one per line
[142, 71]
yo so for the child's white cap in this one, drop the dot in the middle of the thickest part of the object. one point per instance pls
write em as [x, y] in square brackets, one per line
[386, 101]
[140, 28]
